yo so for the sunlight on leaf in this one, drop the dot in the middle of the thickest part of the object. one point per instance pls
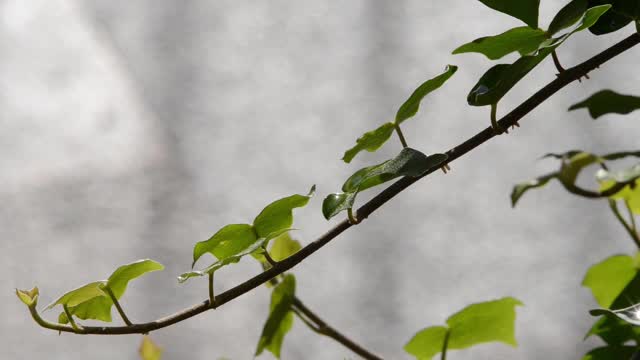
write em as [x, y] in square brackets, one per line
[427, 343]
[370, 141]
[119, 279]
[280, 318]
[607, 279]
[284, 246]
[521, 39]
[278, 215]
[228, 241]
[629, 314]
[608, 102]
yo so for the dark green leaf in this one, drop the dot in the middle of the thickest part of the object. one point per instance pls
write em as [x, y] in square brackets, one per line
[228, 241]
[521, 188]
[567, 16]
[629, 314]
[608, 102]
[622, 14]
[370, 141]
[525, 10]
[607, 279]
[280, 318]
[411, 106]
[614, 331]
[409, 162]
[427, 342]
[484, 322]
[278, 215]
[610, 353]
[521, 39]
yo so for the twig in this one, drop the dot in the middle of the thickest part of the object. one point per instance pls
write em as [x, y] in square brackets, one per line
[630, 230]
[387, 194]
[117, 305]
[403, 141]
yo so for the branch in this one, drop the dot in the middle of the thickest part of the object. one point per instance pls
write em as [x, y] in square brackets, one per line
[363, 212]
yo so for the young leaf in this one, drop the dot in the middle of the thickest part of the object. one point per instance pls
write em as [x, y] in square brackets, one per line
[80, 295]
[412, 105]
[370, 141]
[409, 162]
[610, 352]
[484, 322]
[608, 102]
[228, 241]
[284, 246]
[280, 318]
[119, 279]
[278, 215]
[520, 189]
[427, 343]
[622, 13]
[149, 350]
[28, 297]
[567, 16]
[521, 39]
[525, 10]
[607, 279]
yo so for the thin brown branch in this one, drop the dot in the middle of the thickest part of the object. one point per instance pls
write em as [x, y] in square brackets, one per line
[117, 305]
[363, 212]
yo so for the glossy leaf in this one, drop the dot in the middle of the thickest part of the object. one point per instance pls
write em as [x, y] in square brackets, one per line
[622, 14]
[520, 189]
[28, 297]
[149, 350]
[409, 162]
[475, 324]
[228, 241]
[521, 39]
[412, 105]
[629, 314]
[427, 343]
[278, 215]
[607, 279]
[370, 141]
[484, 322]
[525, 10]
[610, 352]
[608, 102]
[567, 16]
[280, 318]
[284, 246]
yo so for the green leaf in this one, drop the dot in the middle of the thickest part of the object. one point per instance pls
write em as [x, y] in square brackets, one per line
[149, 350]
[610, 352]
[98, 308]
[254, 248]
[613, 331]
[427, 343]
[567, 16]
[412, 105]
[607, 279]
[228, 241]
[119, 279]
[629, 314]
[278, 215]
[608, 102]
[280, 318]
[80, 295]
[622, 14]
[370, 141]
[475, 324]
[525, 10]
[284, 246]
[521, 188]
[574, 164]
[499, 79]
[521, 39]
[484, 322]
[28, 297]
[409, 162]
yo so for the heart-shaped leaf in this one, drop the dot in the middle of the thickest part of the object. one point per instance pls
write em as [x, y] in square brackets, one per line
[522, 39]
[280, 318]
[409, 162]
[475, 324]
[230, 240]
[284, 246]
[525, 10]
[28, 297]
[370, 141]
[567, 16]
[607, 279]
[608, 102]
[412, 104]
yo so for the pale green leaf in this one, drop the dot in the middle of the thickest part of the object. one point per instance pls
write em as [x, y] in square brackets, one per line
[607, 279]
[149, 350]
[370, 141]
[228, 241]
[280, 318]
[80, 295]
[412, 104]
[427, 343]
[284, 246]
[28, 297]
[278, 215]
[119, 279]
[521, 39]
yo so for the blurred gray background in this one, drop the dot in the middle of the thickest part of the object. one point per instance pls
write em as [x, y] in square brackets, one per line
[135, 129]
